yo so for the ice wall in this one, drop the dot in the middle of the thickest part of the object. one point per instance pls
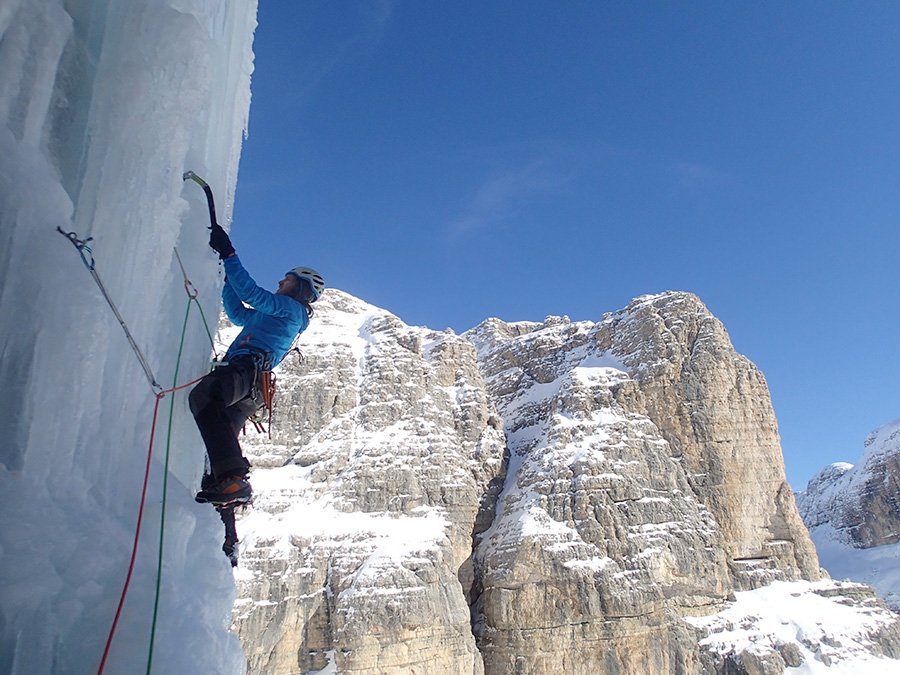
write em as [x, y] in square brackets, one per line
[103, 105]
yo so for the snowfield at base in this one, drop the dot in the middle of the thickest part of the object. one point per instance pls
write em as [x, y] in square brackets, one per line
[793, 612]
[393, 537]
[879, 566]
[330, 669]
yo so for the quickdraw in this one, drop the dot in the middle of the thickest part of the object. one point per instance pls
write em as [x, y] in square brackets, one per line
[87, 257]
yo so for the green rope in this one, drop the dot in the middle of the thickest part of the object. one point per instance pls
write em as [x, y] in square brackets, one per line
[206, 326]
[165, 488]
[189, 287]
[192, 299]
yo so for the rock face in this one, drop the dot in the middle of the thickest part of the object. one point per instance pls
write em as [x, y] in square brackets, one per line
[647, 482]
[713, 407]
[859, 502]
[384, 454]
[815, 625]
[525, 498]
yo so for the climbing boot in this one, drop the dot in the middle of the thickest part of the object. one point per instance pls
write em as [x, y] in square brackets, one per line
[231, 490]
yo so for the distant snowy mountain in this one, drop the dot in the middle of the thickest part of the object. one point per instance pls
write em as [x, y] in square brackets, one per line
[853, 515]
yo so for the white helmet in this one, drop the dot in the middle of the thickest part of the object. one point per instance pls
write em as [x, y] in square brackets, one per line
[314, 278]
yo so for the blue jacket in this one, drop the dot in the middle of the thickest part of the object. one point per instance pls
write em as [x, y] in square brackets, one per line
[270, 323]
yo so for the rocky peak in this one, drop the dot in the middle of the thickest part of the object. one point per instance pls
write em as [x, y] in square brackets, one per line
[646, 478]
[385, 449]
[713, 407]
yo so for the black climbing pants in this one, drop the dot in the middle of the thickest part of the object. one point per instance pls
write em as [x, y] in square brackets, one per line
[221, 403]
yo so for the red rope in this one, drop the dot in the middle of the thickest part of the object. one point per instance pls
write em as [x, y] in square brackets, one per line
[140, 519]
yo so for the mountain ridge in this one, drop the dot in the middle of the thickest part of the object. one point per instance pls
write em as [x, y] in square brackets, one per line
[529, 497]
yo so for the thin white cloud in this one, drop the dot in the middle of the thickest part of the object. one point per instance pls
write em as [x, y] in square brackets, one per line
[694, 178]
[380, 12]
[376, 17]
[505, 194]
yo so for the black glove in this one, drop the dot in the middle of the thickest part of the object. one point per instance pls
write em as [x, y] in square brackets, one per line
[219, 241]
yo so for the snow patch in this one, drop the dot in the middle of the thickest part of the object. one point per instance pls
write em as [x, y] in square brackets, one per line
[808, 615]
[879, 566]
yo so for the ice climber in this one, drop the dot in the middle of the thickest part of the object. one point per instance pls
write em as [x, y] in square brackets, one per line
[223, 400]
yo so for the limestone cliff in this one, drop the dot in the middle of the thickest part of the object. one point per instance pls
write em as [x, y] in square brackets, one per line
[389, 448]
[525, 498]
[648, 483]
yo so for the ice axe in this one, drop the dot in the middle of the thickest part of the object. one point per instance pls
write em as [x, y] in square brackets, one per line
[190, 175]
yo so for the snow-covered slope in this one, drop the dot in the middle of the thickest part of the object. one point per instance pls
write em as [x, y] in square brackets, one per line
[103, 106]
[853, 516]
[803, 628]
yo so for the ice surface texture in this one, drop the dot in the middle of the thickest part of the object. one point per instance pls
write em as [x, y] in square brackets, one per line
[103, 106]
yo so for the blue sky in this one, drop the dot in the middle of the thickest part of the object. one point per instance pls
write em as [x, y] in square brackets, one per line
[454, 161]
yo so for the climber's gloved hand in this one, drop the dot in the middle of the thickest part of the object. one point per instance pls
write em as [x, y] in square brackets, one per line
[219, 241]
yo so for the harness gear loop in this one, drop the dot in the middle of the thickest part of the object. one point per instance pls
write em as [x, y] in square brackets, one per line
[262, 392]
[267, 389]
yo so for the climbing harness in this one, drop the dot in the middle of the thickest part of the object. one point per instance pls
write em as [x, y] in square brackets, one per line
[262, 393]
[265, 390]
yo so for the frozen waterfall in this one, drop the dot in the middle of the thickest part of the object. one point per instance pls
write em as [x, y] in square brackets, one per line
[103, 106]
